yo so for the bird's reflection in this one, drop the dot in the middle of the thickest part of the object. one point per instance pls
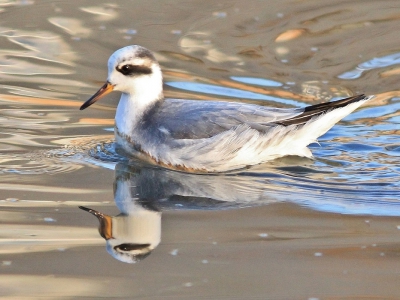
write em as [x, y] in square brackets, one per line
[131, 235]
[141, 193]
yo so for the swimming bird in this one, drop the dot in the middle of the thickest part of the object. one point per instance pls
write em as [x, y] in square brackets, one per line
[205, 136]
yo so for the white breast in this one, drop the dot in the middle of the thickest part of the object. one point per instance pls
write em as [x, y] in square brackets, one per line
[125, 116]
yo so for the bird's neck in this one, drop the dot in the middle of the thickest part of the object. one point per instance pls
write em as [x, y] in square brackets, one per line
[132, 107]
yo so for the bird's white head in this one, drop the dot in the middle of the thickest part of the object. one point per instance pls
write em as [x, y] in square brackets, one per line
[134, 71]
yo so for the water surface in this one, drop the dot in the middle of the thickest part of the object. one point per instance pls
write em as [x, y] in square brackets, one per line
[293, 228]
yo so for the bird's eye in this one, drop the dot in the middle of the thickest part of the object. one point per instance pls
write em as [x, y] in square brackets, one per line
[133, 70]
[125, 69]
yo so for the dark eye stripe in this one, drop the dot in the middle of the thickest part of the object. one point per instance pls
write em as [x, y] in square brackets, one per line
[130, 247]
[130, 70]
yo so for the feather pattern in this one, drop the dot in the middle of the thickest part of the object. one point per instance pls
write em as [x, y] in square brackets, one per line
[219, 136]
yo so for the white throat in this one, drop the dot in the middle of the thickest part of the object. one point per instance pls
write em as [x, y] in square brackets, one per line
[143, 93]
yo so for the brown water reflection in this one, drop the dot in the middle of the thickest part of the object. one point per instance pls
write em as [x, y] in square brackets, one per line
[320, 235]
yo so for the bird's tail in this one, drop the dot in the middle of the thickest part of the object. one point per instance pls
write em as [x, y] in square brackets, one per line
[316, 110]
[315, 121]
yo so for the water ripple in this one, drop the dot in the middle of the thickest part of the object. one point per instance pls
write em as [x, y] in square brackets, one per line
[229, 92]
[375, 63]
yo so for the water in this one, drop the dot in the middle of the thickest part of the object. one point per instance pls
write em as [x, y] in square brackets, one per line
[294, 228]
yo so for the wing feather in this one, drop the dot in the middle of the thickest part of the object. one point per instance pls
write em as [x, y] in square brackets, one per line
[186, 119]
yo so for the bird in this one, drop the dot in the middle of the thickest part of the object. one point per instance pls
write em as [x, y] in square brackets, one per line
[205, 136]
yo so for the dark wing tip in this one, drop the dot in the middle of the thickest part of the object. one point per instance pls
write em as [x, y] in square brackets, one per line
[321, 108]
[335, 104]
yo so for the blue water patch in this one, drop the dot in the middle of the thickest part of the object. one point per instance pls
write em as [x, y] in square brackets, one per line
[375, 63]
[229, 92]
[352, 206]
[383, 127]
[257, 81]
[395, 119]
[374, 112]
[360, 147]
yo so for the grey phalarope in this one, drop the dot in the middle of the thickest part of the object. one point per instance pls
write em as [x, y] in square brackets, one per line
[206, 136]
